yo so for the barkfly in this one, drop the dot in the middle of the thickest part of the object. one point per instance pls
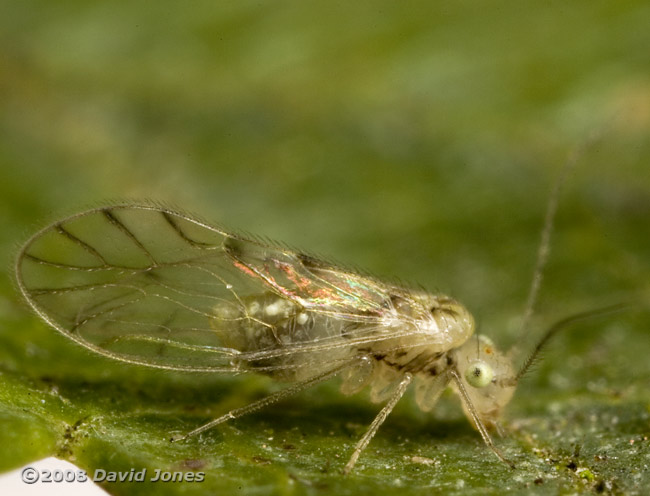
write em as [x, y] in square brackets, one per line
[148, 285]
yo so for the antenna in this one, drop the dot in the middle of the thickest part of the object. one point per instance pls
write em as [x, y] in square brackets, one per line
[545, 242]
[561, 324]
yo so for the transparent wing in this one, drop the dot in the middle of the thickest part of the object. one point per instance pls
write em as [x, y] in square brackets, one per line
[140, 283]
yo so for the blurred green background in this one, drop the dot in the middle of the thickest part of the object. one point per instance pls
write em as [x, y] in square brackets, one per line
[419, 140]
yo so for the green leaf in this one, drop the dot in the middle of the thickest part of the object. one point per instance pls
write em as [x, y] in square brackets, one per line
[419, 140]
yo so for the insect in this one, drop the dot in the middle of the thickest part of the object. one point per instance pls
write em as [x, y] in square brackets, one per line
[148, 285]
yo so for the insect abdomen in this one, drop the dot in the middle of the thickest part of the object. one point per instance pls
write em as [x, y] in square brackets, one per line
[267, 322]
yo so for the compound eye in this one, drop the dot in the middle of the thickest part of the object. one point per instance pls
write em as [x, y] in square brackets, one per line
[479, 374]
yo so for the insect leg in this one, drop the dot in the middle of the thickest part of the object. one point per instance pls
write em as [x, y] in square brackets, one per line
[379, 419]
[267, 400]
[477, 420]
[428, 392]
